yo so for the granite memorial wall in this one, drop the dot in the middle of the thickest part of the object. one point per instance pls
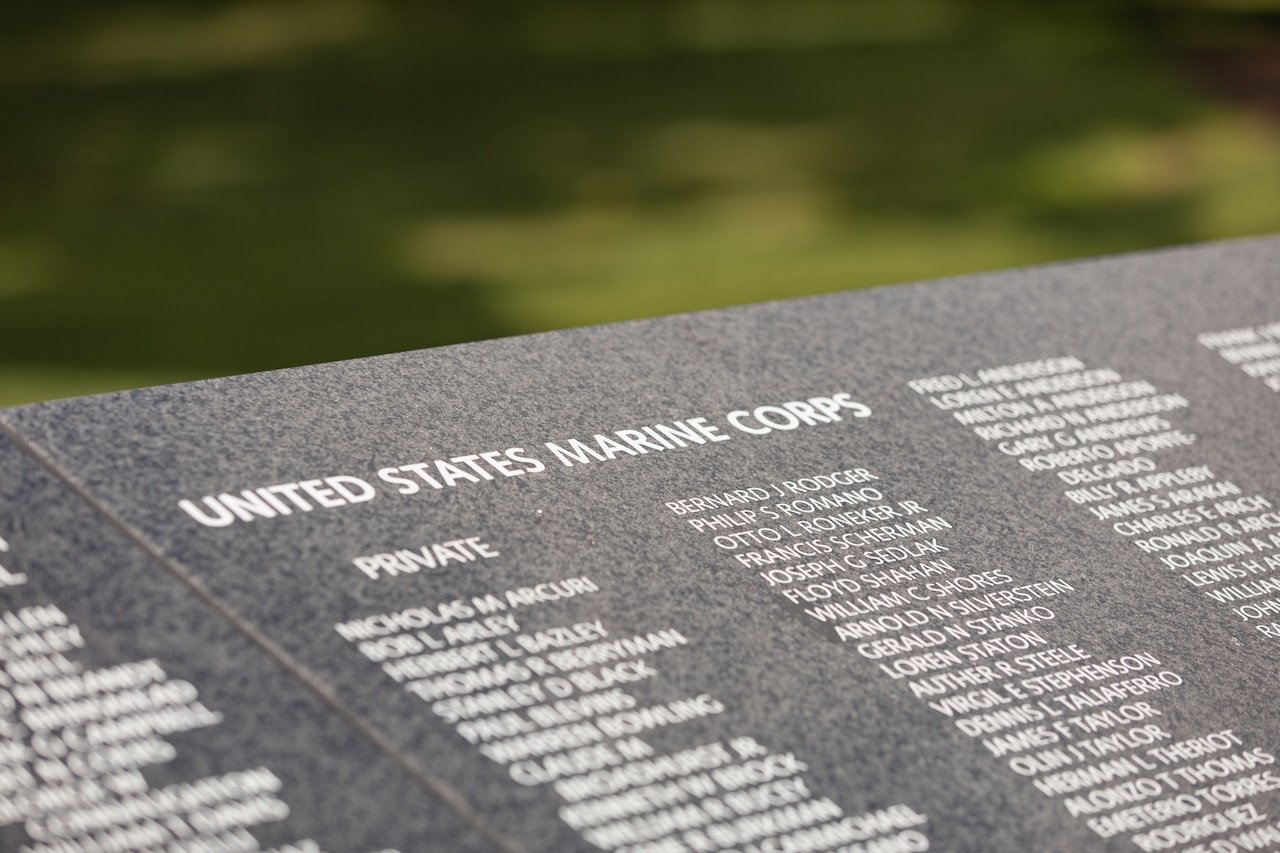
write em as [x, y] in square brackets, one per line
[987, 564]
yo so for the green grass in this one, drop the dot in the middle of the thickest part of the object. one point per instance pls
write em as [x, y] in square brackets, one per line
[193, 190]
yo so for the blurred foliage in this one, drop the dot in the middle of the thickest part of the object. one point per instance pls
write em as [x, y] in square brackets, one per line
[198, 188]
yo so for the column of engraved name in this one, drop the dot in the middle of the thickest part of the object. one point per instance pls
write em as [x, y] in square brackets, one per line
[1114, 444]
[885, 574]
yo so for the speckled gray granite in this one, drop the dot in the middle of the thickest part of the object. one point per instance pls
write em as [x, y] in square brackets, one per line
[248, 609]
[340, 791]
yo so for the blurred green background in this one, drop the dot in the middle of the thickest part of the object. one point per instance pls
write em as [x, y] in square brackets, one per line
[191, 189]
